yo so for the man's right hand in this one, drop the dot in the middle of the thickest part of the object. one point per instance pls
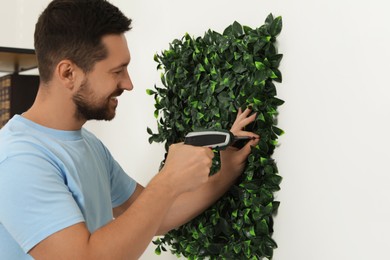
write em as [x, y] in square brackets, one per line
[187, 167]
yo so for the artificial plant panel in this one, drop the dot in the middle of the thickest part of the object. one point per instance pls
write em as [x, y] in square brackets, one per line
[204, 82]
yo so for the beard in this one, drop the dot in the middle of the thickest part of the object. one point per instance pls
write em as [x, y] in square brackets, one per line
[88, 107]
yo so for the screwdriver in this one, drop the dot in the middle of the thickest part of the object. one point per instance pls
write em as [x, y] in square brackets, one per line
[215, 139]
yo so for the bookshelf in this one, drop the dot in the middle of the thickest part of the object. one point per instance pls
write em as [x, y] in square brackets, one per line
[17, 92]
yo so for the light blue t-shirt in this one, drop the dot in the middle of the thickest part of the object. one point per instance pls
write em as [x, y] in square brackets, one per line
[52, 179]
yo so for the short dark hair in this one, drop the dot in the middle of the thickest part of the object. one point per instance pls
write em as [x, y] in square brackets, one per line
[73, 29]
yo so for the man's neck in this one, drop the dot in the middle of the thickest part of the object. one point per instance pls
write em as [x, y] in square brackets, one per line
[57, 113]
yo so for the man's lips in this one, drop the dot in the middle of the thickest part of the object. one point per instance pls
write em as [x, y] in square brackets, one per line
[115, 96]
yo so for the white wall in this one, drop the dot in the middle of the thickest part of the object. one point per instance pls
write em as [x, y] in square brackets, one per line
[335, 194]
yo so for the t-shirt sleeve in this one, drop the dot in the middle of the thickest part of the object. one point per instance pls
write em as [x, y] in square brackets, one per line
[122, 185]
[35, 201]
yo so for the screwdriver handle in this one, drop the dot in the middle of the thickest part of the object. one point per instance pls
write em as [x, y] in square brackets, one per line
[218, 139]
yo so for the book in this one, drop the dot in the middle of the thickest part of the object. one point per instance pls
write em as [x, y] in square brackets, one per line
[17, 94]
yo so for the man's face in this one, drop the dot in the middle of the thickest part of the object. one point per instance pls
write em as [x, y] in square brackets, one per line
[96, 97]
[90, 107]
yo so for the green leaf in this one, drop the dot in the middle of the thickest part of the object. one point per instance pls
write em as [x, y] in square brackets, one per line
[277, 131]
[225, 227]
[206, 61]
[237, 248]
[276, 26]
[156, 58]
[195, 234]
[275, 60]
[247, 29]
[233, 30]
[191, 249]
[247, 248]
[269, 169]
[268, 209]
[263, 161]
[237, 29]
[150, 92]
[259, 65]
[247, 219]
[213, 84]
[239, 68]
[237, 55]
[252, 231]
[234, 213]
[213, 71]
[257, 101]
[275, 205]
[276, 75]
[228, 31]
[261, 117]
[262, 227]
[199, 116]
[256, 215]
[269, 19]
[195, 103]
[277, 102]
[157, 251]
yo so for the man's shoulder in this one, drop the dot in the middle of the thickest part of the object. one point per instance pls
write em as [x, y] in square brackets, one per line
[18, 140]
[12, 140]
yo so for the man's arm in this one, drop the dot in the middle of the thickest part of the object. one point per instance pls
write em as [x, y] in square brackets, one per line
[189, 204]
[129, 234]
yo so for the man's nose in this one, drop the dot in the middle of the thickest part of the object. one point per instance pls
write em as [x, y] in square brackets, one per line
[126, 82]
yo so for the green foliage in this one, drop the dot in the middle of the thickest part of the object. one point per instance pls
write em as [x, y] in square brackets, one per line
[205, 81]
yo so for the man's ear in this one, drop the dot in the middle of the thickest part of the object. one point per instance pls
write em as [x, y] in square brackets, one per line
[66, 72]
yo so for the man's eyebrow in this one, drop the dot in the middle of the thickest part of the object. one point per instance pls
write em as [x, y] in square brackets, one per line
[123, 65]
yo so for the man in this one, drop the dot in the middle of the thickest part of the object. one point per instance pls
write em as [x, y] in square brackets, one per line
[62, 195]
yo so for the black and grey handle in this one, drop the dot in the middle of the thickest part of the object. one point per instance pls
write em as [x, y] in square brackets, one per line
[218, 139]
